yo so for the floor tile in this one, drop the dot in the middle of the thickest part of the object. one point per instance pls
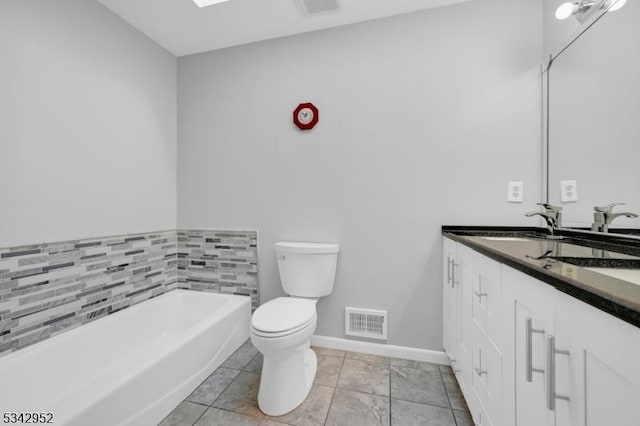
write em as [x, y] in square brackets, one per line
[314, 409]
[328, 370]
[463, 418]
[369, 358]
[255, 365]
[184, 414]
[350, 389]
[328, 352]
[241, 395]
[445, 369]
[455, 394]
[365, 377]
[356, 408]
[215, 384]
[426, 366]
[405, 413]
[240, 358]
[217, 417]
[411, 384]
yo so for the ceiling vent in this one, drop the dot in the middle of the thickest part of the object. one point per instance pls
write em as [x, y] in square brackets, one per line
[315, 7]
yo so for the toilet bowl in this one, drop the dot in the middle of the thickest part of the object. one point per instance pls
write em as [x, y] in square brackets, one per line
[289, 365]
[281, 329]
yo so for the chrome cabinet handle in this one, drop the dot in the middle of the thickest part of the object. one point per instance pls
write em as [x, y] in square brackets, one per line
[480, 294]
[551, 373]
[478, 369]
[449, 270]
[528, 351]
[453, 273]
[281, 257]
[480, 372]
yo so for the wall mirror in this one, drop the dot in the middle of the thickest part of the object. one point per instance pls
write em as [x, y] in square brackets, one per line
[592, 109]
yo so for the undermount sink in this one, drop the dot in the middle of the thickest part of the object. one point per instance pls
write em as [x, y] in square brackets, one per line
[629, 275]
[506, 239]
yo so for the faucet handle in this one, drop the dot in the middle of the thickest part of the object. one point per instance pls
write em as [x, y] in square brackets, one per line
[608, 208]
[550, 207]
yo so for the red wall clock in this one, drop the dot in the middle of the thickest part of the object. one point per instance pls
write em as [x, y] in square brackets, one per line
[305, 116]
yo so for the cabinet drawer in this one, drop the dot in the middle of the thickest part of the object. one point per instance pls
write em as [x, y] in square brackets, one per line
[487, 378]
[486, 297]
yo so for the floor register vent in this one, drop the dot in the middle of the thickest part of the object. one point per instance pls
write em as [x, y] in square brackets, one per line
[368, 323]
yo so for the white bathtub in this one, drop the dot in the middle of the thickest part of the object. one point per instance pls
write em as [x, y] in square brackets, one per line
[129, 368]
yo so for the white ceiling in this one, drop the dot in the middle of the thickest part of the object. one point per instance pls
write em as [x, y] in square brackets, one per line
[183, 28]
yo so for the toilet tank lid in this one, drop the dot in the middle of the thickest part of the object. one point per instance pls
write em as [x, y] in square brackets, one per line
[310, 248]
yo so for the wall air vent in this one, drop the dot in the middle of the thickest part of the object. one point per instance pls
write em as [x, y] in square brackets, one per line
[367, 323]
[314, 7]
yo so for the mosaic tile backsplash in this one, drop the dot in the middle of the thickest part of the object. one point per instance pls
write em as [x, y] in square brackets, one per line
[46, 289]
[219, 261]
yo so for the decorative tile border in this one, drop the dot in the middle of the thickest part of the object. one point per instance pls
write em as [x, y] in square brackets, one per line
[219, 261]
[46, 289]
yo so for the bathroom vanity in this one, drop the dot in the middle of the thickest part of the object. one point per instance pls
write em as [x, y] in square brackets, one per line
[540, 330]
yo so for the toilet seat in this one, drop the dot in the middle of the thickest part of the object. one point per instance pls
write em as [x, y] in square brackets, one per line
[283, 316]
[258, 333]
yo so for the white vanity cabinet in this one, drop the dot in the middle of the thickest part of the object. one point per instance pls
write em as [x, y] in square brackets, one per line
[600, 374]
[485, 335]
[529, 307]
[457, 313]
[450, 305]
[473, 311]
[527, 354]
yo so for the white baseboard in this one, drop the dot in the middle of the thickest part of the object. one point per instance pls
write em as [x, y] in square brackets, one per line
[404, 352]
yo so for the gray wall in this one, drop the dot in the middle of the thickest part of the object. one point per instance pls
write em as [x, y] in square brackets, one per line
[423, 120]
[87, 124]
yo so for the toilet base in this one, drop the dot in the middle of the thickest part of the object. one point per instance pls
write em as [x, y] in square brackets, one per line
[286, 382]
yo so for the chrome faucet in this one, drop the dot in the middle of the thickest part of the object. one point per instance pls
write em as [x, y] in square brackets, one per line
[552, 215]
[603, 216]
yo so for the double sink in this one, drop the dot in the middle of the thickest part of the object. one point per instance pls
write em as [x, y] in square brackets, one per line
[612, 264]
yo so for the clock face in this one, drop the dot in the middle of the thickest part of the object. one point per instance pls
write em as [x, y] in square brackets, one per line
[305, 116]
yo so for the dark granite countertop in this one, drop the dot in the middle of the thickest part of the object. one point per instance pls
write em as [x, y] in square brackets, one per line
[563, 262]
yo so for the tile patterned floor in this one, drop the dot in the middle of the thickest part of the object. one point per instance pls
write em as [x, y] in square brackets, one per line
[350, 389]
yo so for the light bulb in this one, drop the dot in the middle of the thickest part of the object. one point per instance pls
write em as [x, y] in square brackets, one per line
[205, 3]
[565, 10]
[617, 5]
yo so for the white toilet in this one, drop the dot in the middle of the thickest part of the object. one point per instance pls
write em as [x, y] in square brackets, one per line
[281, 329]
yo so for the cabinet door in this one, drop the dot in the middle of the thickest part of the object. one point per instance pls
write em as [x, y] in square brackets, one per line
[449, 303]
[528, 308]
[463, 277]
[601, 373]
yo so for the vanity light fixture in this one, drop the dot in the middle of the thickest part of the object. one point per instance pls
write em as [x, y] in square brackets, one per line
[204, 3]
[616, 5]
[582, 9]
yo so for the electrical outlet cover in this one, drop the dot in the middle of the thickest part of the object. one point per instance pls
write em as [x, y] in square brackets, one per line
[515, 192]
[568, 191]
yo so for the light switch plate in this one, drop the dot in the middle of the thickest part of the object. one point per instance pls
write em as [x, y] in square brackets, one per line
[515, 192]
[568, 191]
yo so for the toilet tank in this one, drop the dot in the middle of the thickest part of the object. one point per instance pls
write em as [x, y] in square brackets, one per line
[307, 269]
